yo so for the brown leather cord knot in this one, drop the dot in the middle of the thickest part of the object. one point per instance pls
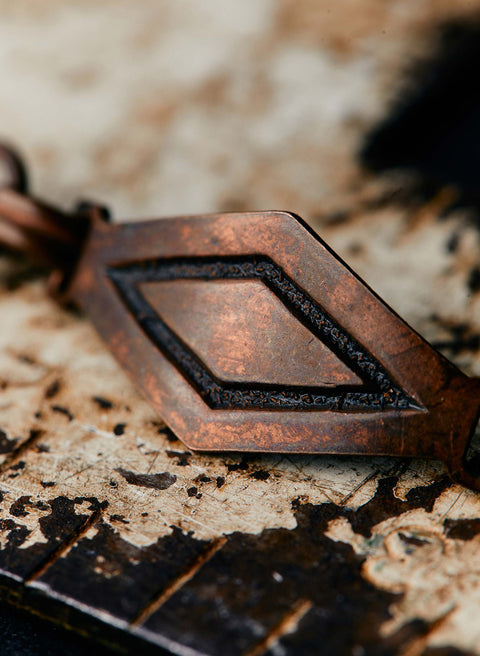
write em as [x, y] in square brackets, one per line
[48, 235]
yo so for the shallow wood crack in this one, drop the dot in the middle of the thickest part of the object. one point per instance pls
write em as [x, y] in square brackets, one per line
[288, 624]
[165, 595]
[63, 546]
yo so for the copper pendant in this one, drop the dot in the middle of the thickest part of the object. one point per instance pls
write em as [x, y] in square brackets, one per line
[247, 333]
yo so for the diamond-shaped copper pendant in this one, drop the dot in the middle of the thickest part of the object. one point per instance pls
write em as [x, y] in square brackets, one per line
[247, 333]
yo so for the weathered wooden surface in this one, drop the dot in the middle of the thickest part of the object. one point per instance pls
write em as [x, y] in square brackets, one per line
[103, 511]
[107, 523]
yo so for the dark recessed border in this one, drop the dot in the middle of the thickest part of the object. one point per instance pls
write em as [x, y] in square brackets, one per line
[378, 392]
